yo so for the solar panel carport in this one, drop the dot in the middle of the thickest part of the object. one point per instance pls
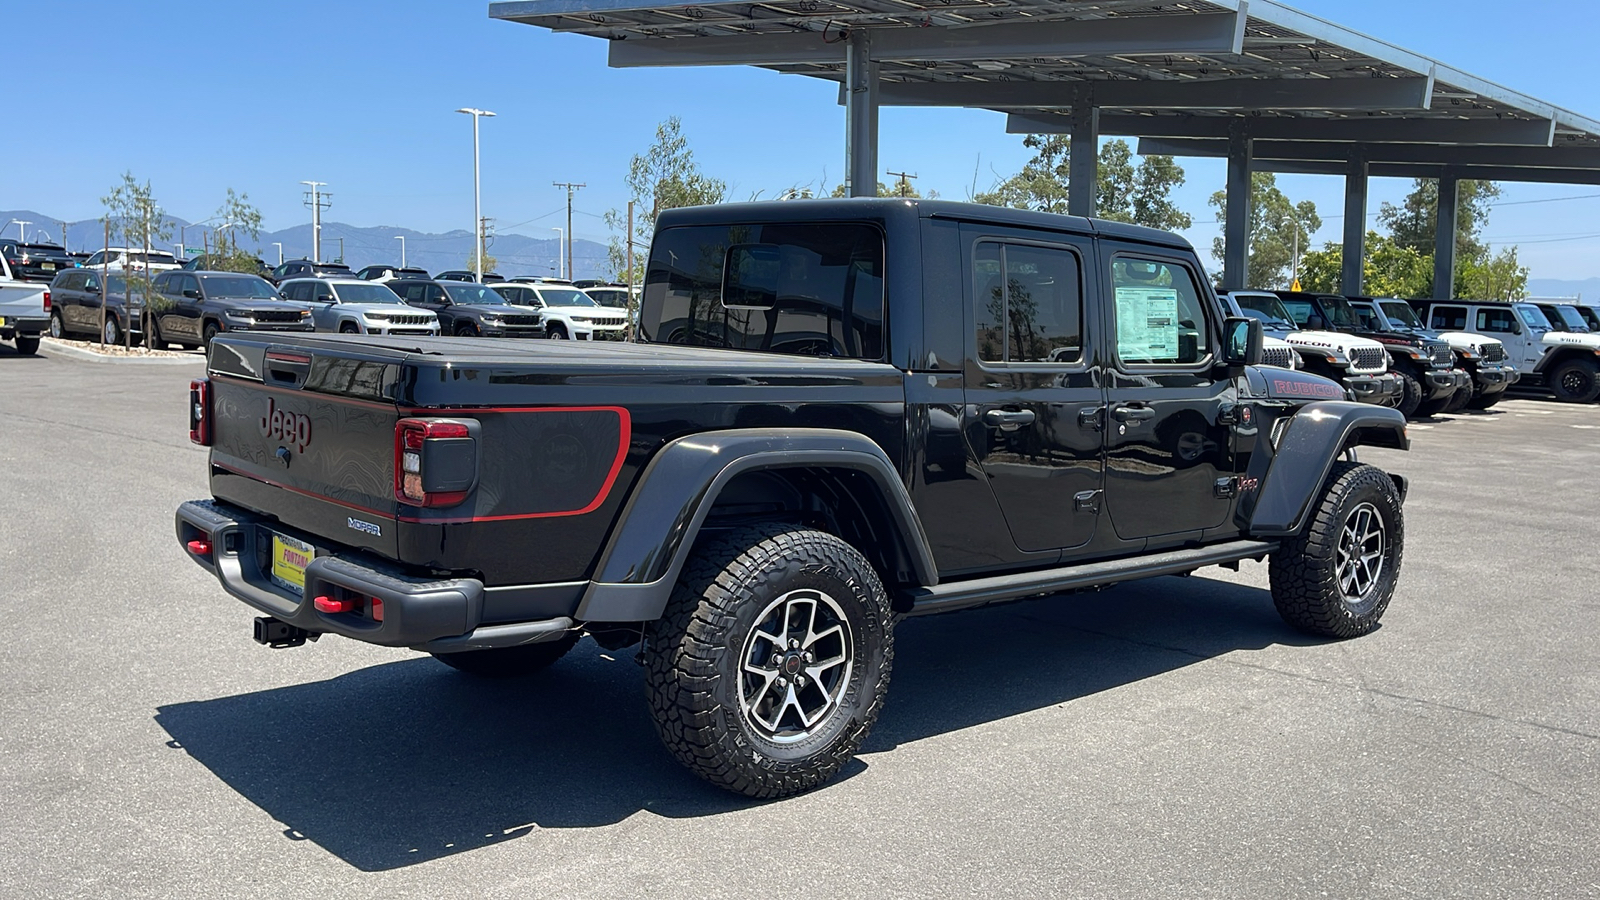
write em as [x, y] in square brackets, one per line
[1266, 86]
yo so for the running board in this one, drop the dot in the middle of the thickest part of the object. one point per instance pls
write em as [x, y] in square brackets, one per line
[954, 595]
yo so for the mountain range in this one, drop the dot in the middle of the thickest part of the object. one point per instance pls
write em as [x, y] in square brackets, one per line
[517, 254]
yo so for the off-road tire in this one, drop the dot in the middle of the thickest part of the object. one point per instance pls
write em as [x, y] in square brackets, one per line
[1484, 401]
[1410, 395]
[152, 330]
[1430, 408]
[1461, 399]
[27, 346]
[696, 673]
[58, 326]
[1304, 571]
[509, 662]
[1575, 381]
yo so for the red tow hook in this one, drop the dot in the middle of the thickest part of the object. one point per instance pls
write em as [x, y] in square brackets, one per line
[200, 547]
[330, 605]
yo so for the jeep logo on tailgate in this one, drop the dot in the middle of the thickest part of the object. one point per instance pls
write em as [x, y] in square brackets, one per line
[294, 429]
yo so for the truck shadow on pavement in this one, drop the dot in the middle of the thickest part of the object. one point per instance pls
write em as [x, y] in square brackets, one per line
[406, 762]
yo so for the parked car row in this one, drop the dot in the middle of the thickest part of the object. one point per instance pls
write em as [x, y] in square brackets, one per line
[1429, 356]
[191, 307]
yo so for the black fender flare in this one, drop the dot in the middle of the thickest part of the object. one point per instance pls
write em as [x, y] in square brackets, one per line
[657, 528]
[1310, 445]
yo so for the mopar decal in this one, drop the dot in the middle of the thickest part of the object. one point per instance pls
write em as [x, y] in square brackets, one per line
[364, 527]
[294, 429]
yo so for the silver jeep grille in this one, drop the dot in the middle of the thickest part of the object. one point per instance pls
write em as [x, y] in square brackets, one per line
[1369, 359]
[1282, 357]
[406, 320]
[1494, 353]
[1439, 353]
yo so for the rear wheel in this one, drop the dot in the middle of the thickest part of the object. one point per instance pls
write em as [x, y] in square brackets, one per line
[1336, 578]
[58, 328]
[27, 346]
[772, 660]
[1410, 395]
[510, 662]
[1575, 381]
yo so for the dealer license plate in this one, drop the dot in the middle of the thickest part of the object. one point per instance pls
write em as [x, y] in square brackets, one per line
[289, 560]
[48, 267]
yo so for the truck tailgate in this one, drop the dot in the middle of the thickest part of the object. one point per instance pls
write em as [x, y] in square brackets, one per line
[306, 435]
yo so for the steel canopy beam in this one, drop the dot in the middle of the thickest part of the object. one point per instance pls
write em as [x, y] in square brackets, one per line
[1424, 170]
[1134, 36]
[1356, 94]
[1363, 130]
[1427, 154]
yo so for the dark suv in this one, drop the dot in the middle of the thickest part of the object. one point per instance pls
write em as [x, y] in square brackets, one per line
[305, 268]
[76, 300]
[191, 308]
[1424, 364]
[470, 310]
[36, 262]
[467, 275]
[206, 262]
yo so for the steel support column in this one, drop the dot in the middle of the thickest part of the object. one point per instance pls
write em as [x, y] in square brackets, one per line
[1083, 164]
[861, 117]
[1236, 224]
[1355, 225]
[1444, 239]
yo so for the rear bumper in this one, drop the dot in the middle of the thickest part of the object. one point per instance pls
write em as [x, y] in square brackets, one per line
[437, 615]
[21, 325]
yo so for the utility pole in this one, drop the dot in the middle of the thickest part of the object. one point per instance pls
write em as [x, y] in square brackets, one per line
[64, 237]
[628, 279]
[571, 189]
[318, 201]
[903, 189]
[484, 229]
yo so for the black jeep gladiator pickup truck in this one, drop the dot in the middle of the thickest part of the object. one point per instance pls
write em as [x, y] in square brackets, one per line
[836, 414]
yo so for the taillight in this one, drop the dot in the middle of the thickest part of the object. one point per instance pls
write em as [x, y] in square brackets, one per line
[47, 301]
[435, 461]
[200, 411]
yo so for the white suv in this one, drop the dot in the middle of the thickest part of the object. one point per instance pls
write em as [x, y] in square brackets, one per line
[123, 259]
[354, 306]
[1360, 364]
[568, 312]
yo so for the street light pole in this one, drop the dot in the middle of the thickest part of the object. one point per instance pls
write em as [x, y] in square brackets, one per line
[477, 196]
[22, 233]
[561, 261]
[402, 239]
[280, 251]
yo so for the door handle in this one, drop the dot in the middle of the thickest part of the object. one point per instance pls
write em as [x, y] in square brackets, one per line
[1008, 419]
[1133, 413]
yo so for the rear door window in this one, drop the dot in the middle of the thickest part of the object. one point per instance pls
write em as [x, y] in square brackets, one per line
[813, 289]
[1449, 318]
[1028, 303]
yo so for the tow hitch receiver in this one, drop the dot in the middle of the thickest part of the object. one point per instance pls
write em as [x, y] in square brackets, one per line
[279, 635]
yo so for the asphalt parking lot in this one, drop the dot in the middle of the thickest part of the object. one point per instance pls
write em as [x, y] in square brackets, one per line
[1169, 738]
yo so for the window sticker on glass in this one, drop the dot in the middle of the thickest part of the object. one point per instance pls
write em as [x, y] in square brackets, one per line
[1147, 323]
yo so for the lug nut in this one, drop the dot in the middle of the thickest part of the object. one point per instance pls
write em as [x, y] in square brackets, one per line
[794, 644]
[777, 658]
[800, 681]
[810, 657]
[781, 681]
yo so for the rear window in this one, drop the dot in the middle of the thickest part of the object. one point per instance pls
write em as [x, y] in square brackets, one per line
[806, 289]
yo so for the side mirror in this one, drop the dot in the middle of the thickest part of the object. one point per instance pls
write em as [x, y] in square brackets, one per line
[1316, 323]
[1241, 342]
[191, 293]
[324, 298]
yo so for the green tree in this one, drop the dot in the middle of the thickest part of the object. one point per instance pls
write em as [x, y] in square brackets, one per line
[663, 177]
[1275, 223]
[1492, 277]
[1414, 223]
[489, 262]
[241, 217]
[132, 214]
[1125, 191]
[1388, 269]
[899, 189]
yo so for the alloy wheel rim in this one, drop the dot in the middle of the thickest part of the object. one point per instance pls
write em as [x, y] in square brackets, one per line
[795, 666]
[1362, 541]
[1574, 382]
[55, 326]
[109, 336]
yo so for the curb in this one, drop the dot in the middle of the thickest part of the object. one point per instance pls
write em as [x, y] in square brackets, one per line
[50, 348]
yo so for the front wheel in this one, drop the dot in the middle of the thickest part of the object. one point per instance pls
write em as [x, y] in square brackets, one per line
[1336, 578]
[772, 660]
[466, 329]
[1575, 381]
[112, 333]
[1410, 395]
[208, 333]
[555, 332]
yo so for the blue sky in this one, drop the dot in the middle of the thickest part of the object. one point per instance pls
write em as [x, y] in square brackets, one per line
[361, 93]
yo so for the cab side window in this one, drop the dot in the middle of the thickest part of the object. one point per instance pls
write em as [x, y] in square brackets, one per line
[1449, 318]
[1028, 303]
[1161, 320]
[1495, 321]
